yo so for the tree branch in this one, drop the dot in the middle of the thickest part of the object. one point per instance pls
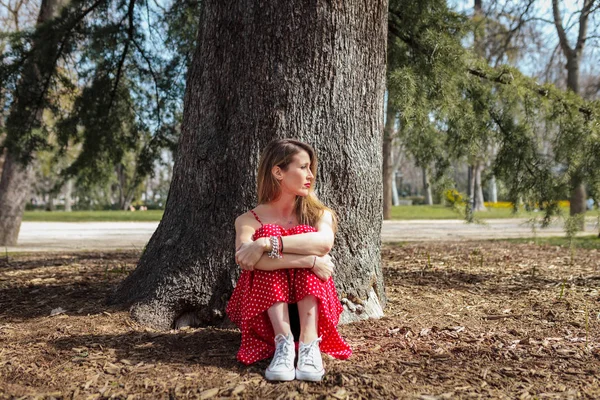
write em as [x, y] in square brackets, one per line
[562, 36]
[130, 29]
[539, 90]
[583, 22]
[154, 79]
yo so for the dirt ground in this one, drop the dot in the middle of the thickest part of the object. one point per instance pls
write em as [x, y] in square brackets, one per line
[464, 320]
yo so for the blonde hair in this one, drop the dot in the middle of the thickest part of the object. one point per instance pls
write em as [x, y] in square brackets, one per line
[308, 209]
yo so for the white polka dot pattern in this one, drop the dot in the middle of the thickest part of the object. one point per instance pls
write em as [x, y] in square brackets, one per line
[256, 291]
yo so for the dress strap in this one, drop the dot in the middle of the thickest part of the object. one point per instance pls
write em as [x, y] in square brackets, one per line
[256, 216]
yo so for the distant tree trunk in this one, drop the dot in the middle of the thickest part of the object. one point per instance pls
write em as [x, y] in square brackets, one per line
[50, 202]
[471, 188]
[267, 70]
[388, 138]
[69, 195]
[395, 198]
[573, 56]
[479, 203]
[493, 189]
[427, 187]
[25, 113]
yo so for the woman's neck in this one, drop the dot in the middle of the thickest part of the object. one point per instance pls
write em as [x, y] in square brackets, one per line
[283, 207]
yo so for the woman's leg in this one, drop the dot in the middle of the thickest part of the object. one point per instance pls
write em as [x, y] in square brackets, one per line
[280, 318]
[282, 364]
[309, 318]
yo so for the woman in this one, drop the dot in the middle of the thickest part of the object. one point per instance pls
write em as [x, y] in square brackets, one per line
[282, 246]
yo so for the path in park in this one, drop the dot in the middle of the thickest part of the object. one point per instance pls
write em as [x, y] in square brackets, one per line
[70, 236]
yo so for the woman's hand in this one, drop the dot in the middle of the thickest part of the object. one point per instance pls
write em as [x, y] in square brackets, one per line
[323, 268]
[249, 253]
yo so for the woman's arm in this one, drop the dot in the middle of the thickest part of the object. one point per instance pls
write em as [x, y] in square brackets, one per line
[287, 262]
[322, 267]
[257, 259]
[319, 243]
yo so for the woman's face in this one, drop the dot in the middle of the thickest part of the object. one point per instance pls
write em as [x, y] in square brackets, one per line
[298, 177]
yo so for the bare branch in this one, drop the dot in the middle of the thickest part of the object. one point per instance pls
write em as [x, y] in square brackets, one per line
[562, 36]
[583, 22]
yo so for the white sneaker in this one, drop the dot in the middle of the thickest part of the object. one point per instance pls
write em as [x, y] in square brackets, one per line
[310, 363]
[282, 364]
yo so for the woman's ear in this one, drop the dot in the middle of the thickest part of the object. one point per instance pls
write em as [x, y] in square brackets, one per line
[277, 173]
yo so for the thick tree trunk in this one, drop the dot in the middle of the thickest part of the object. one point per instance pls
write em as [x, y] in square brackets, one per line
[24, 116]
[15, 189]
[427, 187]
[388, 138]
[263, 71]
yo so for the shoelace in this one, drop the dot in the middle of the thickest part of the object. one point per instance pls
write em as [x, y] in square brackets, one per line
[281, 354]
[308, 354]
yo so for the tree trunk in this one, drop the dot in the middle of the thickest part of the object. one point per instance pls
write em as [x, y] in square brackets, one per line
[398, 159]
[25, 115]
[479, 202]
[471, 186]
[427, 187]
[573, 56]
[263, 71]
[69, 195]
[388, 137]
[395, 198]
[493, 189]
[15, 189]
[578, 201]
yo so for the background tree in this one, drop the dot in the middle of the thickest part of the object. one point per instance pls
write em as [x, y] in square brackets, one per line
[132, 79]
[573, 54]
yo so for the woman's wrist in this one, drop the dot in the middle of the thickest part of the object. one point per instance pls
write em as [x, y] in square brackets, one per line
[266, 244]
[314, 261]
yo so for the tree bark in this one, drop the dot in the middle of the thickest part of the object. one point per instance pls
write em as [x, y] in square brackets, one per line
[263, 71]
[388, 138]
[15, 188]
[427, 187]
[25, 113]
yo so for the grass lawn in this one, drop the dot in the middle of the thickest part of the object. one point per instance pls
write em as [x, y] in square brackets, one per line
[92, 216]
[442, 212]
[590, 242]
[398, 213]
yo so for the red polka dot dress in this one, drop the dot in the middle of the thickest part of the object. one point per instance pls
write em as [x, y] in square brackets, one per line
[256, 291]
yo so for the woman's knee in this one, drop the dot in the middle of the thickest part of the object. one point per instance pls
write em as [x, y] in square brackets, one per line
[308, 299]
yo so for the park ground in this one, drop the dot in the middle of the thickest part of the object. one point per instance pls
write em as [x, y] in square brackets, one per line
[487, 319]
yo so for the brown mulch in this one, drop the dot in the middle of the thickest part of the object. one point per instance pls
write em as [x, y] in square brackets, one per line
[464, 320]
